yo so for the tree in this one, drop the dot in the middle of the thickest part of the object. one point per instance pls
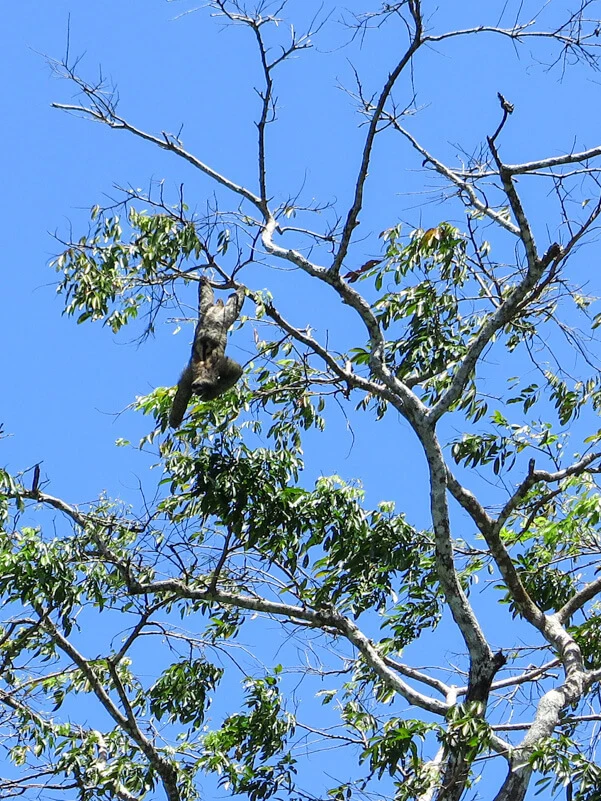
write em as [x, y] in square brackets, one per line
[234, 539]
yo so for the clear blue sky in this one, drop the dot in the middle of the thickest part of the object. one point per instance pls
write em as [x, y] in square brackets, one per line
[64, 385]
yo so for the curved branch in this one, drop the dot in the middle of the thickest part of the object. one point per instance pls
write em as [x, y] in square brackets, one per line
[317, 618]
[516, 205]
[394, 390]
[577, 601]
[417, 675]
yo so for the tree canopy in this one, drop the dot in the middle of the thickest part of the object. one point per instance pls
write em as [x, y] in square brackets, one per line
[453, 660]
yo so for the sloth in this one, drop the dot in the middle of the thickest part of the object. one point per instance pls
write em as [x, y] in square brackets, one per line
[209, 372]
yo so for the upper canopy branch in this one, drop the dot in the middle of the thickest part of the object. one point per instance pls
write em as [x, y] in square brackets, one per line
[576, 35]
[553, 161]
[466, 187]
[394, 390]
[376, 116]
[167, 143]
[521, 32]
[516, 205]
[256, 22]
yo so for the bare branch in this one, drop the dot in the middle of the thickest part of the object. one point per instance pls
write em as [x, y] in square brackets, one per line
[462, 183]
[166, 143]
[419, 675]
[378, 109]
[553, 161]
[577, 601]
[516, 207]
[532, 674]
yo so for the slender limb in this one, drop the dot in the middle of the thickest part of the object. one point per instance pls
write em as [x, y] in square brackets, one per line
[174, 588]
[577, 601]
[517, 208]
[465, 186]
[417, 675]
[494, 323]
[110, 118]
[395, 391]
[523, 678]
[553, 161]
[352, 219]
[82, 519]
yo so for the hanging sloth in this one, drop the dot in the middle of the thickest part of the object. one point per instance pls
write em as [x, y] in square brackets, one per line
[209, 372]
